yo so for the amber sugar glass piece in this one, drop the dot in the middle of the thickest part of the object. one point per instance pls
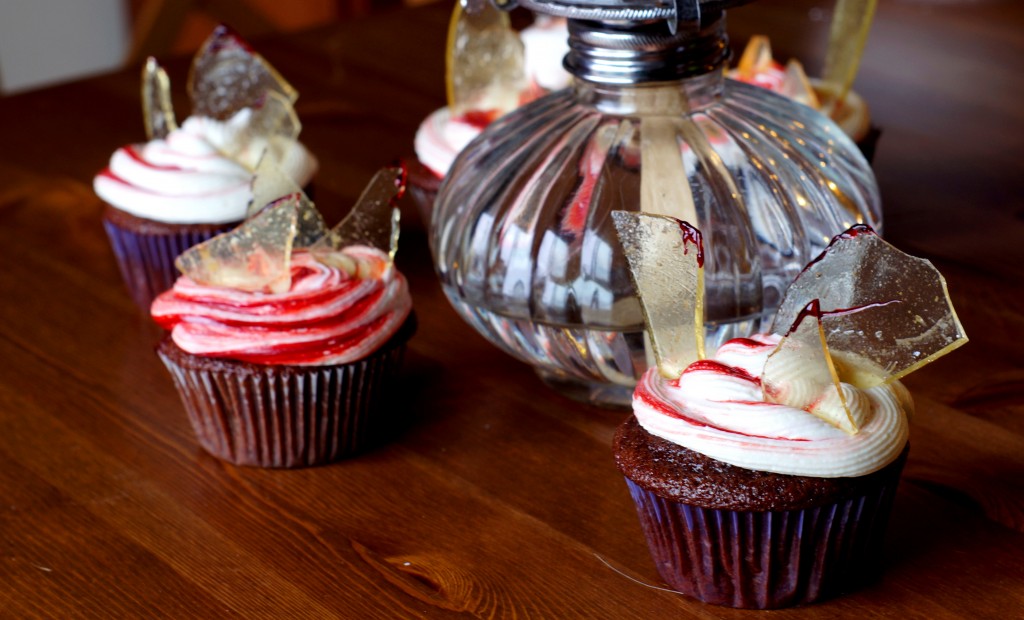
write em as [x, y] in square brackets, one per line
[666, 262]
[756, 57]
[373, 221]
[851, 22]
[911, 320]
[484, 63]
[270, 183]
[157, 111]
[227, 75]
[797, 86]
[256, 256]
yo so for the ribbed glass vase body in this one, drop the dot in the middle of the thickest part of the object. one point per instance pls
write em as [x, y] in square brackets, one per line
[527, 253]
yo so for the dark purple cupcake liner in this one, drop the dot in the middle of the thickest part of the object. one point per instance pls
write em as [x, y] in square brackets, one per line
[146, 256]
[767, 560]
[285, 416]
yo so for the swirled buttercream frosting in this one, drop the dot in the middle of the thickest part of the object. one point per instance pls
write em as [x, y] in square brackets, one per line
[186, 178]
[327, 317]
[716, 408]
[440, 138]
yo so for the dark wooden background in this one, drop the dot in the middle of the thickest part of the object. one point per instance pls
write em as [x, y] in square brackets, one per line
[500, 498]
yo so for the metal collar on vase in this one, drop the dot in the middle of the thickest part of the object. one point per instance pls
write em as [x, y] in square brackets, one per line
[677, 13]
[638, 41]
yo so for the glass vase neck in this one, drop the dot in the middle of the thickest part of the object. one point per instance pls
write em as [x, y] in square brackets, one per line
[683, 96]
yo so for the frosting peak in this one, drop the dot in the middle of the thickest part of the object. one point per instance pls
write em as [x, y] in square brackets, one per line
[716, 408]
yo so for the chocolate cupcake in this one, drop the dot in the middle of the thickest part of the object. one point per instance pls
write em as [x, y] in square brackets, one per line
[759, 553]
[286, 416]
[288, 379]
[190, 183]
[764, 475]
[738, 532]
[285, 338]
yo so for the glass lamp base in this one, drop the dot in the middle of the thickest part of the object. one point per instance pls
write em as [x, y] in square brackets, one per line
[605, 395]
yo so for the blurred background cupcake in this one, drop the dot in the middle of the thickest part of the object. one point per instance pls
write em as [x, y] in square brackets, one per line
[847, 109]
[523, 65]
[284, 338]
[832, 92]
[190, 183]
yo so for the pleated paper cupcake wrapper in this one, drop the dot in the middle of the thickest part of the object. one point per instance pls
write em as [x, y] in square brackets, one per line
[284, 416]
[766, 560]
[146, 260]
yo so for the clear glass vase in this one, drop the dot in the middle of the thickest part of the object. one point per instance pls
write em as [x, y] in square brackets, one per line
[523, 238]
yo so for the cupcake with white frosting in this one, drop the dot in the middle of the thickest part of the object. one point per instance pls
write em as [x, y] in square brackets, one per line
[764, 475]
[443, 135]
[189, 183]
[790, 508]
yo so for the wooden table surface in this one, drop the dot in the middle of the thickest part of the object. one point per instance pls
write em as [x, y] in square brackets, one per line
[500, 499]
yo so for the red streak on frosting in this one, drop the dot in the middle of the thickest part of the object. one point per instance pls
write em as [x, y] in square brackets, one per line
[107, 173]
[749, 343]
[304, 352]
[479, 118]
[723, 369]
[643, 393]
[350, 313]
[134, 153]
[326, 315]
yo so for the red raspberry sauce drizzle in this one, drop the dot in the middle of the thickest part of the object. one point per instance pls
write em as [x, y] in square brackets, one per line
[719, 367]
[304, 352]
[327, 315]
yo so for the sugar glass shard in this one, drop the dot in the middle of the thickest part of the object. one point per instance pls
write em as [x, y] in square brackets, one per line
[374, 220]
[757, 56]
[270, 183]
[854, 337]
[254, 257]
[800, 372]
[666, 262]
[912, 322]
[797, 87]
[848, 34]
[270, 126]
[227, 76]
[663, 190]
[484, 64]
[157, 111]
